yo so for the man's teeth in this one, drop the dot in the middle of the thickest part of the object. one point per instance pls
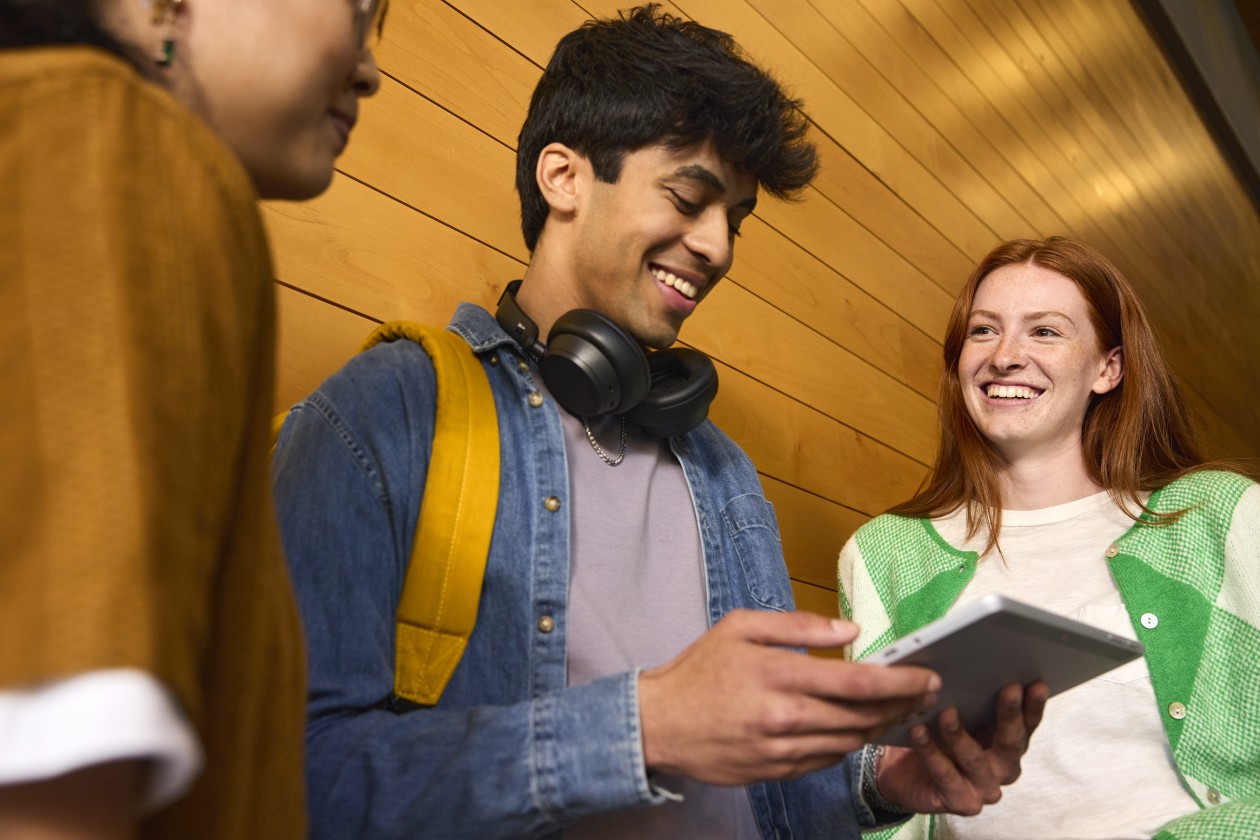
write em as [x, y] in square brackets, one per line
[1011, 392]
[687, 290]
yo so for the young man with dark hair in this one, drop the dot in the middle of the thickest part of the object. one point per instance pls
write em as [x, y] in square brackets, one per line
[629, 674]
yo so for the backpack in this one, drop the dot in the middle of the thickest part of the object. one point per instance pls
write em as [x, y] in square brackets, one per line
[438, 608]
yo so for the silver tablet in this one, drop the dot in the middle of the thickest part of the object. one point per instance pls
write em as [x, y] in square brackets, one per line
[993, 642]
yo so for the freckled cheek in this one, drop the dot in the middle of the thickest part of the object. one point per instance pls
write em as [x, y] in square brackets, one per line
[969, 367]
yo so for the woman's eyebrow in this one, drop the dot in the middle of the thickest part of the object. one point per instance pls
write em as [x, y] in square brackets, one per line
[1027, 316]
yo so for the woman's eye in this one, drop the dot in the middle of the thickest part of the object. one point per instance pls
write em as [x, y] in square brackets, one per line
[1045, 332]
[980, 329]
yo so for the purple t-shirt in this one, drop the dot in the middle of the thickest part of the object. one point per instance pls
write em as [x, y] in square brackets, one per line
[636, 599]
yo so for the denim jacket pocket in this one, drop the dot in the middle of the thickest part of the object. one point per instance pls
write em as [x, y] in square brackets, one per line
[752, 527]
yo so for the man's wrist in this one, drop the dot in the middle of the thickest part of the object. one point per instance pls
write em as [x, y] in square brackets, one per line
[881, 809]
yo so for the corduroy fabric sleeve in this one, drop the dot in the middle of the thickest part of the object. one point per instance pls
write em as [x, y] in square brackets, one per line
[123, 430]
[136, 356]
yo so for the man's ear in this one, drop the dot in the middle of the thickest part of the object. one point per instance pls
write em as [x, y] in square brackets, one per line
[1112, 371]
[558, 173]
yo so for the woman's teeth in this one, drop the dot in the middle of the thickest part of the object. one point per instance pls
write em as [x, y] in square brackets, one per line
[1011, 392]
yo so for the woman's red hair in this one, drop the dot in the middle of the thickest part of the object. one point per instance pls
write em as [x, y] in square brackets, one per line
[1136, 438]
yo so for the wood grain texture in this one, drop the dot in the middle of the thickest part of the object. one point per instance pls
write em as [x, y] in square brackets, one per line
[942, 127]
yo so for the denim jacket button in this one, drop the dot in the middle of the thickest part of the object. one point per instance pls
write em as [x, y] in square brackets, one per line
[1176, 710]
[535, 399]
[494, 360]
[546, 624]
[552, 504]
[522, 365]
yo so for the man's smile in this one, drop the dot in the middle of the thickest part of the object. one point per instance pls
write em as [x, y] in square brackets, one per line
[685, 288]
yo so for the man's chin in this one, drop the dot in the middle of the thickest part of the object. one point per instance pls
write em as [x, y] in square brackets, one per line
[658, 340]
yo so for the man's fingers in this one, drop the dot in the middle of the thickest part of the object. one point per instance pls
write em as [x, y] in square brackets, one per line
[861, 682]
[952, 792]
[1035, 697]
[1010, 735]
[970, 757]
[1019, 713]
[793, 629]
[829, 678]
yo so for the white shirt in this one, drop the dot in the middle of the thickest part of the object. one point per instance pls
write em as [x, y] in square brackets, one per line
[1099, 767]
[110, 715]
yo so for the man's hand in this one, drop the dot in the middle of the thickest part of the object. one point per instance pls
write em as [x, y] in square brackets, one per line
[957, 774]
[734, 708]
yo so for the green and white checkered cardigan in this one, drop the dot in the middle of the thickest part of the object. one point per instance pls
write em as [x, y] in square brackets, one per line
[897, 574]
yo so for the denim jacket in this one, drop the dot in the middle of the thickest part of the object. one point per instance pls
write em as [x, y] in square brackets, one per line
[509, 750]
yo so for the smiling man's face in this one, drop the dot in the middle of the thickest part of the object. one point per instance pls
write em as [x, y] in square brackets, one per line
[651, 246]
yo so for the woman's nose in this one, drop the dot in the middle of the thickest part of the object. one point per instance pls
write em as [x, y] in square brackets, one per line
[366, 77]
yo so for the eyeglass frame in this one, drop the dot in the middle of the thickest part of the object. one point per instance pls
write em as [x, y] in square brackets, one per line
[369, 16]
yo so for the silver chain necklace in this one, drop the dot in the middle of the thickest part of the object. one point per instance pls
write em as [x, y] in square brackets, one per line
[599, 450]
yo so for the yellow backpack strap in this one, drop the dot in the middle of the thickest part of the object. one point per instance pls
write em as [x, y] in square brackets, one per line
[438, 608]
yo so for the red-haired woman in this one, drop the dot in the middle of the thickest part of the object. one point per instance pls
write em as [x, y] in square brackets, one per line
[1067, 476]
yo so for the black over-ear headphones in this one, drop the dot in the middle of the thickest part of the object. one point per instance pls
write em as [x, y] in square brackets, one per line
[593, 367]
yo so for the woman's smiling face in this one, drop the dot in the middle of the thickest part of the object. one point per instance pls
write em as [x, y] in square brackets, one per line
[280, 81]
[1031, 361]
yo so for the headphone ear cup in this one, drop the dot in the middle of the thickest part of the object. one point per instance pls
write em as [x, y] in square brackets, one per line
[592, 366]
[684, 383]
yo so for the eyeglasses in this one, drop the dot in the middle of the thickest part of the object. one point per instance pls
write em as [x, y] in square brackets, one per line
[369, 15]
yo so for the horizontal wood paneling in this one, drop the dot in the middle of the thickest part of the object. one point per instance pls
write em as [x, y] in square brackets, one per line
[942, 126]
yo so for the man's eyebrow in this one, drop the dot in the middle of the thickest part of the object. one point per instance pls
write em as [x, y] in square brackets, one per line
[706, 176]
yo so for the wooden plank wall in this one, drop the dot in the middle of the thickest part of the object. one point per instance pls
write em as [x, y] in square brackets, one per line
[944, 126]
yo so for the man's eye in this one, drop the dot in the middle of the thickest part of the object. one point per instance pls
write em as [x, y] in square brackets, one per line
[688, 207]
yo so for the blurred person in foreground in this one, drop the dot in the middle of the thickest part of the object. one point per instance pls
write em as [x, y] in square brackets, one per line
[151, 659]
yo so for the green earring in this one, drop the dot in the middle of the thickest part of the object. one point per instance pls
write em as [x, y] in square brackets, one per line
[164, 16]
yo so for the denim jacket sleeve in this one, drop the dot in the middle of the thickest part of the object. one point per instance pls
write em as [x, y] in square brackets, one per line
[524, 764]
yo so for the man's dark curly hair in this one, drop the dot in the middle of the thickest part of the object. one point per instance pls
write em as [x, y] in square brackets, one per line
[615, 86]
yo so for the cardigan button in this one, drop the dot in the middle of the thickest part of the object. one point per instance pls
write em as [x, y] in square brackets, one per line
[1213, 796]
[1176, 710]
[535, 399]
[1113, 550]
[1150, 621]
[546, 624]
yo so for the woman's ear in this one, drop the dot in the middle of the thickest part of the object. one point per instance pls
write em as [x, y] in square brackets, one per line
[558, 173]
[1112, 371]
